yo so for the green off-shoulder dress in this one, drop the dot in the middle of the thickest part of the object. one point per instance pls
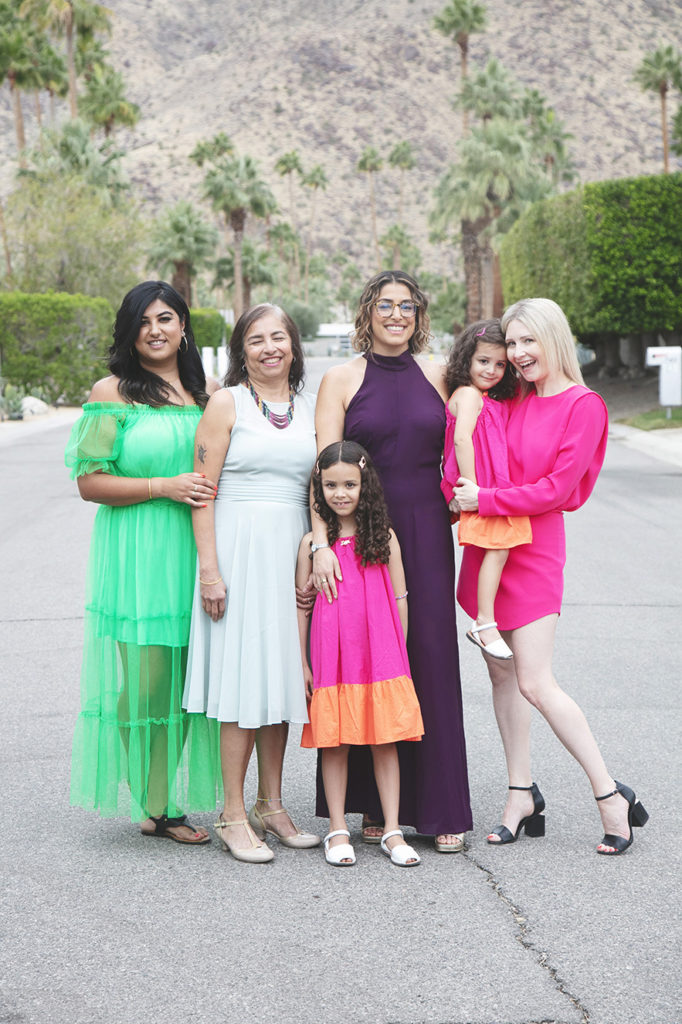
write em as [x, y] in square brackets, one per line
[135, 750]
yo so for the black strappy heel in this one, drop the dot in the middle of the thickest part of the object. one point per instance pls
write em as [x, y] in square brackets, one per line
[637, 818]
[534, 823]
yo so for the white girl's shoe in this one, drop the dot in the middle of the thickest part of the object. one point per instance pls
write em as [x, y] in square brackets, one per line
[341, 856]
[496, 649]
[402, 854]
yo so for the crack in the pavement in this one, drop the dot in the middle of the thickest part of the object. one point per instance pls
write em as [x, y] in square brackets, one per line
[523, 937]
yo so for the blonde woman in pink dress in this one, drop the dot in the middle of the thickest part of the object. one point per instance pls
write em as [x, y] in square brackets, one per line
[556, 437]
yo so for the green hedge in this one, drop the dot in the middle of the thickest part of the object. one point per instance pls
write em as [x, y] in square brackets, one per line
[610, 253]
[55, 342]
[209, 328]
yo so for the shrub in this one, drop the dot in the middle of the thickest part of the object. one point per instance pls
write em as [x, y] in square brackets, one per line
[55, 342]
[209, 328]
[608, 253]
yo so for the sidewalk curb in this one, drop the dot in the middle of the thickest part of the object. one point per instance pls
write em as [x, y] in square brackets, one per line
[665, 445]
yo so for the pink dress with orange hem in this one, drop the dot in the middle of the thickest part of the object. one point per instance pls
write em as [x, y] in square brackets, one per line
[492, 470]
[363, 691]
[556, 449]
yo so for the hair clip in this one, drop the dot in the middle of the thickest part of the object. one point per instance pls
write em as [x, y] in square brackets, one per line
[362, 462]
[479, 334]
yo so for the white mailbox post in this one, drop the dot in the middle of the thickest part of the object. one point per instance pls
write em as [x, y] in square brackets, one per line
[669, 359]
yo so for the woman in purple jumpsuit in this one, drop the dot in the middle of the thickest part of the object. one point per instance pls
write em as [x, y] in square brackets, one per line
[393, 404]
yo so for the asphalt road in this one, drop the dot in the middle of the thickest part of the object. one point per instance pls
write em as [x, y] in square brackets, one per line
[101, 926]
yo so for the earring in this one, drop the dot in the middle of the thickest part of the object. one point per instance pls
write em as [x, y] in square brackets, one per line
[184, 338]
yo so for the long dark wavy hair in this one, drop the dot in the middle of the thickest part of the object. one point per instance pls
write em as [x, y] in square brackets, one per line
[236, 370]
[372, 539]
[362, 339]
[141, 386]
[458, 370]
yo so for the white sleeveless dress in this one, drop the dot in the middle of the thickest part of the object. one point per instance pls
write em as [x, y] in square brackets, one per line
[246, 668]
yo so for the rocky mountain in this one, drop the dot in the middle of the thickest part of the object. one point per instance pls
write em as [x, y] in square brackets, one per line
[329, 78]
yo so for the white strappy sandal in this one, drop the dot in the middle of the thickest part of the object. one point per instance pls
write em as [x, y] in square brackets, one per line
[496, 649]
[402, 854]
[341, 856]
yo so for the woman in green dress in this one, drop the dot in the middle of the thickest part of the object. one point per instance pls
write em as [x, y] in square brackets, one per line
[135, 750]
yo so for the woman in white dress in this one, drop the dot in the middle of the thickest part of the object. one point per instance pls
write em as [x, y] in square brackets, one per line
[257, 435]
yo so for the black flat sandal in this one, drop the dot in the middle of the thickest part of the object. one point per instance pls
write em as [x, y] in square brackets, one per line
[534, 823]
[637, 818]
[162, 825]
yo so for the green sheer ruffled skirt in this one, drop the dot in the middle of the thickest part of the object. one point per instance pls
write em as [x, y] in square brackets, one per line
[135, 750]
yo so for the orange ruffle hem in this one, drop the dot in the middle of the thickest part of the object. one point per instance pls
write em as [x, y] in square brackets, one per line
[361, 713]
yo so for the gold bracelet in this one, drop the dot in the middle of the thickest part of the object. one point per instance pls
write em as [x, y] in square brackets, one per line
[150, 489]
[209, 583]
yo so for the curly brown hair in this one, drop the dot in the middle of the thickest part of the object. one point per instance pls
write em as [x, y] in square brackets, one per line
[458, 370]
[372, 539]
[362, 339]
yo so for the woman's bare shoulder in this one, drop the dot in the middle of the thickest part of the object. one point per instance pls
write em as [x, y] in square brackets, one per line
[434, 369]
[212, 385]
[106, 390]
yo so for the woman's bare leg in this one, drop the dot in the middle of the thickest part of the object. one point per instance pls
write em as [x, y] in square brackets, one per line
[271, 742]
[236, 746]
[512, 713]
[533, 647]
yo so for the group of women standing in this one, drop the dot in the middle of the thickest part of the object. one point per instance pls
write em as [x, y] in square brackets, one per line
[183, 676]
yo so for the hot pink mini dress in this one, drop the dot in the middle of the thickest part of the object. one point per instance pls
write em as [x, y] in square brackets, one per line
[556, 448]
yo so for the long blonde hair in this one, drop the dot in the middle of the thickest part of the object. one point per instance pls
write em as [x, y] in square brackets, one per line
[547, 324]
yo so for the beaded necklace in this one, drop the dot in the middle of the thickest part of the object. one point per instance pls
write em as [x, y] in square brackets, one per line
[278, 419]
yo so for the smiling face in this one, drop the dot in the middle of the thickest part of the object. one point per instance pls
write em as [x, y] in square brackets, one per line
[526, 354]
[488, 364]
[159, 337]
[267, 351]
[341, 488]
[391, 334]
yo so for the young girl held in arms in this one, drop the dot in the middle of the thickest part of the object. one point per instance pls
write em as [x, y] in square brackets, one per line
[480, 379]
[360, 686]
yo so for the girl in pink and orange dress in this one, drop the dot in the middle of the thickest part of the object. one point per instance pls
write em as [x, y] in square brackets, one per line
[556, 435]
[479, 379]
[360, 687]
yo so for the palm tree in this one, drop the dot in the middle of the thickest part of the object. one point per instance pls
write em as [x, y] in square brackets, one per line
[288, 253]
[492, 92]
[459, 20]
[16, 65]
[235, 188]
[51, 74]
[67, 18]
[370, 163]
[182, 243]
[288, 165]
[315, 179]
[256, 269]
[658, 72]
[71, 152]
[676, 144]
[403, 159]
[401, 251]
[493, 181]
[103, 103]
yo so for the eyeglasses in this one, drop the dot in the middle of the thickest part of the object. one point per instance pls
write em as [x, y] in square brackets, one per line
[385, 307]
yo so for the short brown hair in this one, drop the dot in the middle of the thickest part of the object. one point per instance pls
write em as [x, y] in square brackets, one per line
[236, 371]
